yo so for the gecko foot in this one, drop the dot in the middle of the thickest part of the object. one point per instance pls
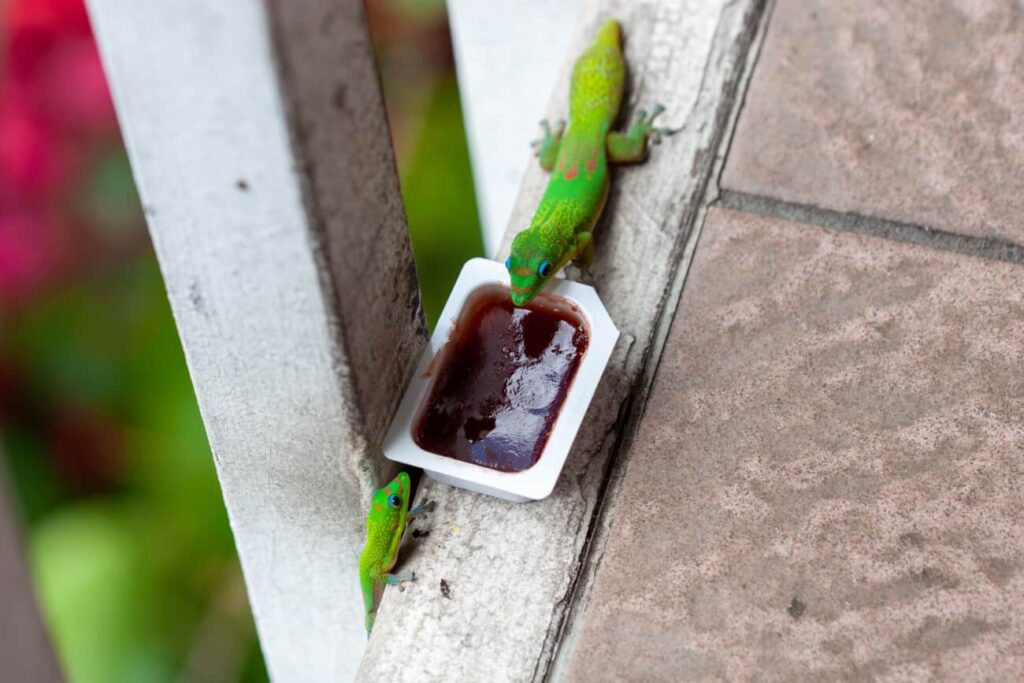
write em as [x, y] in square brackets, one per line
[550, 136]
[399, 579]
[644, 124]
[656, 133]
[422, 508]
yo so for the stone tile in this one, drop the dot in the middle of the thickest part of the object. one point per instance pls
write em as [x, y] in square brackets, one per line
[910, 111]
[827, 483]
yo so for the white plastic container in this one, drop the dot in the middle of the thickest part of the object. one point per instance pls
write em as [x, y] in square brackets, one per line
[537, 481]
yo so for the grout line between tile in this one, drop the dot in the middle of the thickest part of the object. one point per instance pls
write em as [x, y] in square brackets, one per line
[982, 247]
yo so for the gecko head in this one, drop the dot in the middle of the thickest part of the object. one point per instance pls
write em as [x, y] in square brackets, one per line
[390, 503]
[529, 270]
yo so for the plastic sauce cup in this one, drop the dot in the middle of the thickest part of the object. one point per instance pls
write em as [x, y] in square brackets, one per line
[537, 481]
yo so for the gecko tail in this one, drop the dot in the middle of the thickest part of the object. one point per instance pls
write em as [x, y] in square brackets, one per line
[610, 33]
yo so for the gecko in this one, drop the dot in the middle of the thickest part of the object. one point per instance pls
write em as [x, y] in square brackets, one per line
[389, 514]
[578, 157]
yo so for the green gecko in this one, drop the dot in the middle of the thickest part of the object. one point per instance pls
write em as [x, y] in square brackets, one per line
[389, 513]
[561, 228]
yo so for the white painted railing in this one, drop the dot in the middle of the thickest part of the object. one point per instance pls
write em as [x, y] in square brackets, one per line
[259, 143]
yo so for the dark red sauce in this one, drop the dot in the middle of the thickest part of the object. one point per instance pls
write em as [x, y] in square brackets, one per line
[501, 380]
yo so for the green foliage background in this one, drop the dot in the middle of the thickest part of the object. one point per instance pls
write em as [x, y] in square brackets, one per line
[130, 548]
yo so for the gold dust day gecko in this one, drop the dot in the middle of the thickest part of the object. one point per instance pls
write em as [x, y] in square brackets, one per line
[578, 156]
[389, 514]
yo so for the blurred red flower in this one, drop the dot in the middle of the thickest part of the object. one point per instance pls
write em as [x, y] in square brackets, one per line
[30, 249]
[55, 110]
[26, 157]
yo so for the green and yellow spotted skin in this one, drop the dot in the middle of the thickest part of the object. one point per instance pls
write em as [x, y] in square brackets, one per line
[385, 525]
[578, 158]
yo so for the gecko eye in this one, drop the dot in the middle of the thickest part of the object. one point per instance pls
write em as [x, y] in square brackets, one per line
[394, 501]
[508, 263]
[544, 269]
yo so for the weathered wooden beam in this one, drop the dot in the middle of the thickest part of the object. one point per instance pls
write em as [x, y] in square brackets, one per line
[25, 651]
[511, 569]
[258, 139]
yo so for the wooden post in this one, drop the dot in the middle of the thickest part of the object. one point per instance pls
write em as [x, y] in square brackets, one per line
[510, 570]
[259, 143]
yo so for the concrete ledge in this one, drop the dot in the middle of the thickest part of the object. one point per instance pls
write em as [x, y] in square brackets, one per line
[826, 481]
[905, 111]
[510, 570]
